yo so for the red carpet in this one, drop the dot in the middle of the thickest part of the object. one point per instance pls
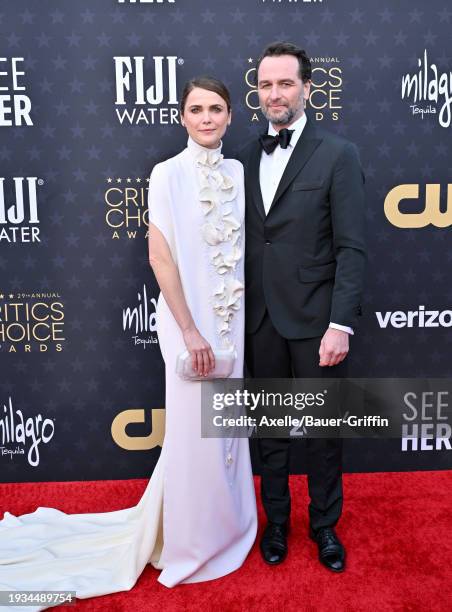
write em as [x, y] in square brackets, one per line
[396, 528]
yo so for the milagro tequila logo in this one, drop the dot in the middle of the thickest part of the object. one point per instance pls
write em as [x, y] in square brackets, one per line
[127, 211]
[20, 435]
[137, 102]
[19, 220]
[15, 107]
[31, 322]
[427, 85]
[141, 320]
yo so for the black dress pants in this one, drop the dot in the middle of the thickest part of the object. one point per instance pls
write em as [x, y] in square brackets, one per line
[269, 355]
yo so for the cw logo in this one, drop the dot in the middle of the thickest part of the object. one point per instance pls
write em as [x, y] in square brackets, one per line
[138, 415]
[431, 215]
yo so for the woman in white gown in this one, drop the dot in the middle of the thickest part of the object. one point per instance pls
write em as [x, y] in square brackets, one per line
[196, 520]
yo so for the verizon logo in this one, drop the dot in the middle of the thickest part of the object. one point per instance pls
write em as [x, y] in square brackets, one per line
[415, 318]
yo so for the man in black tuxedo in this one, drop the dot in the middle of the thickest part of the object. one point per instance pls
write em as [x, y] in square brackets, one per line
[304, 271]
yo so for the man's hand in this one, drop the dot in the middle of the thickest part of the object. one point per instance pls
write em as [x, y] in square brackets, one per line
[333, 347]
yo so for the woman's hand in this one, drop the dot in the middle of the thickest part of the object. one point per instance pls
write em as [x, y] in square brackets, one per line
[203, 359]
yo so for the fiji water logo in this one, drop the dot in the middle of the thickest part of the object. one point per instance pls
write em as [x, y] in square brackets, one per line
[146, 94]
[19, 220]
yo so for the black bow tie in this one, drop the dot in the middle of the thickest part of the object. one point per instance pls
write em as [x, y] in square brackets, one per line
[282, 138]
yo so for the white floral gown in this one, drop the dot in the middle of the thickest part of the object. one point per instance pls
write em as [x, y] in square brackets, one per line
[197, 518]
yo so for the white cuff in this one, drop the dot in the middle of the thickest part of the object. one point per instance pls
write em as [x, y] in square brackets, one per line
[344, 328]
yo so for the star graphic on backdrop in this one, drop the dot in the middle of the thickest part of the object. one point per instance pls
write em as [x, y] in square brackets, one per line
[57, 17]
[357, 16]
[76, 85]
[415, 16]
[386, 16]
[238, 16]
[341, 39]
[74, 39]
[312, 38]
[207, 16]
[326, 16]
[400, 38]
[371, 38]
[43, 40]
[178, 16]
[90, 63]
[87, 16]
[430, 38]
[48, 131]
[148, 17]
[103, 40]
[117, 16]
[59, 63]
[74, 282]
[385, 61]
[356, 61]
[223, 39]
[208, 62]
[193, 39]
[134, 40]
[13, 40]
[444, 15]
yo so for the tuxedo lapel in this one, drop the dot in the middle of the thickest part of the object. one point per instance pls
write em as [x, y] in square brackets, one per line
[305, 147]
[255, 160]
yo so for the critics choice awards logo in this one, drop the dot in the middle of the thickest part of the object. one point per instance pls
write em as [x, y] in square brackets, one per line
[126, 202]
[19, 220]
[15, 107]
[325, 94]
[146, 94]
[429, 91]
[140, 320]
[31, 322]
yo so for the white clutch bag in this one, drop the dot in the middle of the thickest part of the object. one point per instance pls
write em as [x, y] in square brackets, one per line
[224, 364]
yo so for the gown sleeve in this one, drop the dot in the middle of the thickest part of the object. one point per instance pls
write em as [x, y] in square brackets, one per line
[159, 205]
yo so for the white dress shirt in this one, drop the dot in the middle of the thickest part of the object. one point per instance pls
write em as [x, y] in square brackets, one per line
[271, 169]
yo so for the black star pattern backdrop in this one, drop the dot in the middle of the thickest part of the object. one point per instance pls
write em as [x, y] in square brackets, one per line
[89, 93]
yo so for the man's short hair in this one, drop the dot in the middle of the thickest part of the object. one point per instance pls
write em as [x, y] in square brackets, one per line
[285, 48]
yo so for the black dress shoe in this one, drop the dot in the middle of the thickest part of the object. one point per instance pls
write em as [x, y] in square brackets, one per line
[331, 549]
[274, 543]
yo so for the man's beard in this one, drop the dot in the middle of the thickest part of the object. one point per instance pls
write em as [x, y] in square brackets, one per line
[283, 119]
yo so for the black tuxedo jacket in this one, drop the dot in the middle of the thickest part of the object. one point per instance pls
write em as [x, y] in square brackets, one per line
[305, 260]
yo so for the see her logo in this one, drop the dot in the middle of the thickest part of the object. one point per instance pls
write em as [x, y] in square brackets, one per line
[14, 107]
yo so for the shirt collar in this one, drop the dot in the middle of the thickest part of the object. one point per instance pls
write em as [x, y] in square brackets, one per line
[204, 155]
[297, 126]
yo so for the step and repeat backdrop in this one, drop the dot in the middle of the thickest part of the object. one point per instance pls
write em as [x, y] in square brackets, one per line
[89, 94]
